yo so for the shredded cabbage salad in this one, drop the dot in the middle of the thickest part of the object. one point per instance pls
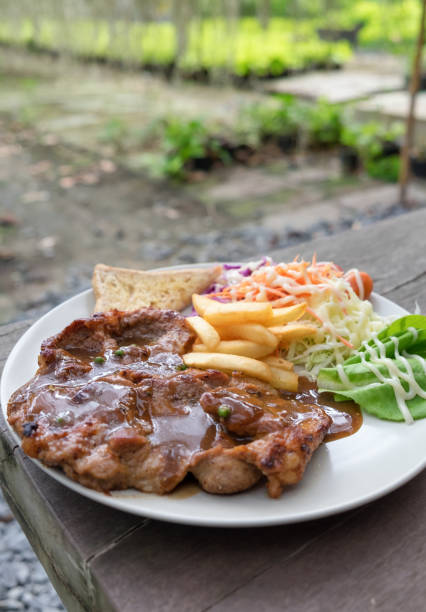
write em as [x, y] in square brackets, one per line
[343, 320]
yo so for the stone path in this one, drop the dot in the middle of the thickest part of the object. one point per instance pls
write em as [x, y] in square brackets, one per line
[24, 584]
[106, 111]
[393, 106]
[338, 86]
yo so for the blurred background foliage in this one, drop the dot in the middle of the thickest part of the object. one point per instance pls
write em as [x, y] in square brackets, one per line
[228, 41]
[100, 96]
[207, 39]
[281, 125]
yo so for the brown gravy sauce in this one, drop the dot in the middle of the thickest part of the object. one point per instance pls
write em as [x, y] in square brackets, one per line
[106, 391]
[185, 489]
[346, 416]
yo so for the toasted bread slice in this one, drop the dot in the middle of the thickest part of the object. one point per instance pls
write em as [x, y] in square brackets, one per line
[127, 289]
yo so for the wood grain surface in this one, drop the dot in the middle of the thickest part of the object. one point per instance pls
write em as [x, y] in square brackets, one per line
[370, 559]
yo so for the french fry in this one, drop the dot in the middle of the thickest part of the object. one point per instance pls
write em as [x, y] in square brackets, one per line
[246, 348]
[199, 348]
[278, 362]
[285, 380]
[241, 336]
[201, 303]
[238, 312]
[226, 332]
[229, 363]
[206, 332]
[288, 333]
[255, 332]
[285, 315]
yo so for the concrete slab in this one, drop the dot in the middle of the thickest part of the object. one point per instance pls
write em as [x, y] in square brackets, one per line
[279, 178]
[337, 86]
[246, 183]
[377, 61]
[394, 104]
[371, 201]
[65, 122]
[301, 218]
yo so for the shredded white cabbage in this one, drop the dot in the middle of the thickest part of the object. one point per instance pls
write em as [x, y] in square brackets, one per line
[341, 315]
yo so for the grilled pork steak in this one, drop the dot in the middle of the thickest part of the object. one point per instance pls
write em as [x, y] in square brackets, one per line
[113, 405]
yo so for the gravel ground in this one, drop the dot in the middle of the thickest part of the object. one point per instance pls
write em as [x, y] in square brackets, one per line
[24, 584]
[236, 244]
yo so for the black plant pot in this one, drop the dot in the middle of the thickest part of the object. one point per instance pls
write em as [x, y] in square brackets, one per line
[418, 167]
[335, 34]
[422, 81]
[205, 164]
[202, 75]
[390, 147]
[288, 142]
[349, 160]
[241, 153]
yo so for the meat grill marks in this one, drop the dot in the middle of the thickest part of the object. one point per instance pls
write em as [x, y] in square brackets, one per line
[113, 407]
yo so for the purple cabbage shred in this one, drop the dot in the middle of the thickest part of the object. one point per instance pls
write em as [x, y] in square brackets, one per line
[231, 266]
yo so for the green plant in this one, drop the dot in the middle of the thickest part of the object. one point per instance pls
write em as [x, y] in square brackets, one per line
[371, 138]
[184, 141]
[181, 141]
[384, 168]
[350, 135]
[269, 120]
[377, 145]
[250, 51]
[324, 123]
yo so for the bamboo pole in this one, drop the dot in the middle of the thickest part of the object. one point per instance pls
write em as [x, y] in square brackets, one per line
[410, 121]
[264, 12]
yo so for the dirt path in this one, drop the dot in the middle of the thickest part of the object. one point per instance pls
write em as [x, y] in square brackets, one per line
[63, 211]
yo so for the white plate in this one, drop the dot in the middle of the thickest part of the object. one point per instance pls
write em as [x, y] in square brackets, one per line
[343, 474]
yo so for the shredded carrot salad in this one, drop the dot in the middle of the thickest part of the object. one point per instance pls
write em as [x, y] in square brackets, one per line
[284, 284]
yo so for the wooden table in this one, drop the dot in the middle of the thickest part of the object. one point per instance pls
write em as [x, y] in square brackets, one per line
[369, 559]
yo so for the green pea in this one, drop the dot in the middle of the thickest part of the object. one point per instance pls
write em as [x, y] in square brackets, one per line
[224, 411]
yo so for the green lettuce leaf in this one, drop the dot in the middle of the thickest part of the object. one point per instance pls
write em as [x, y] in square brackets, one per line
[365, 388]
[399, 328]
[401, 325]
